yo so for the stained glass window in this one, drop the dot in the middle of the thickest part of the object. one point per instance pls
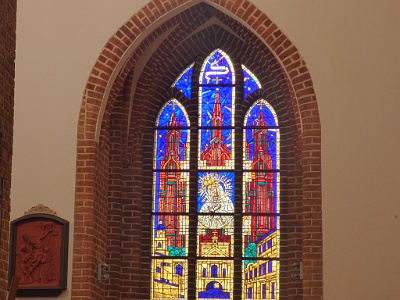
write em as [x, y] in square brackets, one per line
[184, 82]
[213, 211]
[250, 82]
[170, 220]
[261, 201]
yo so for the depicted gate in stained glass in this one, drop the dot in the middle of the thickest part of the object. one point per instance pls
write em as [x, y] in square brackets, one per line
[215, 206]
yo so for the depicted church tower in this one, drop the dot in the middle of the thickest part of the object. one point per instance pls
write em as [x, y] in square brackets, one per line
[260, 189]
[216, 153]
[172, 189]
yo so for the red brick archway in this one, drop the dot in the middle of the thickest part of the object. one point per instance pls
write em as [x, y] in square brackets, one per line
[108, 82]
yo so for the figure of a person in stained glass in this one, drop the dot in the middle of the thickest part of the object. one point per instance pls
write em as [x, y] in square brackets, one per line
[215, 193]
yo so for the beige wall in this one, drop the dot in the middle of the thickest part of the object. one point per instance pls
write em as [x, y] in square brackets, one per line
[352, 49]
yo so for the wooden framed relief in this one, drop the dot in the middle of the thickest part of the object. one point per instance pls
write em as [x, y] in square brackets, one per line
[39, 254]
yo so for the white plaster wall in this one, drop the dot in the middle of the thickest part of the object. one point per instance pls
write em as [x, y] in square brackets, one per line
[58, 44]
[352, 49]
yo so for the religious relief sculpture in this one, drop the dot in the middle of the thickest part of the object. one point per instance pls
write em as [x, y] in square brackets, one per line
[38, 254]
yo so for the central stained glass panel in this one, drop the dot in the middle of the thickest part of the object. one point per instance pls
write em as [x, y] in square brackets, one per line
[216, 113]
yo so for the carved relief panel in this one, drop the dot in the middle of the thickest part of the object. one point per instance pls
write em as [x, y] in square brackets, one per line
[38, 254]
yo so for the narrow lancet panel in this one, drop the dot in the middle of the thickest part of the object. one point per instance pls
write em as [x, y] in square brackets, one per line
[184, 82]
[250, 82]
[170, 203]
[216, 113]
[261, 203]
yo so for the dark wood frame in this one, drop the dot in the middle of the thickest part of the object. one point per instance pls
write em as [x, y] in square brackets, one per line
[1, 200]
[1, 182]
[40, 291]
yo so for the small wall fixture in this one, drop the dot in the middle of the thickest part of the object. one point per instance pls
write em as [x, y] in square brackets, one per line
[297, 270]
[102, 274]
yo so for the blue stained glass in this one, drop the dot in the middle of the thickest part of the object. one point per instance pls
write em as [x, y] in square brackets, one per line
[270, 147]
[216, 106]
[215, 192]
[172, 107]
[261, 114]
[214, 290]
[179, 270]
[214, 271]
[184, 82]
[171, 154]
[217, 69]
[250, 82]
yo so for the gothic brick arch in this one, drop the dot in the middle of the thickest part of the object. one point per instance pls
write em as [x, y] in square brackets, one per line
[111, 136]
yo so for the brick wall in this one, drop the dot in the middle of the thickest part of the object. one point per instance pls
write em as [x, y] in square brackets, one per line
[113, 188]
[7, 74]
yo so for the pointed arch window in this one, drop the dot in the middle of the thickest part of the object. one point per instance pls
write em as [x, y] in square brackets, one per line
[234, 212]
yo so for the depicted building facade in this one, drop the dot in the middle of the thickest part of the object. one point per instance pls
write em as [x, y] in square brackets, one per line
[261, 277]
[170, 222]
[261, 202]
[216, 152]
[172, 185]
[260, 189]
[168, 278]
